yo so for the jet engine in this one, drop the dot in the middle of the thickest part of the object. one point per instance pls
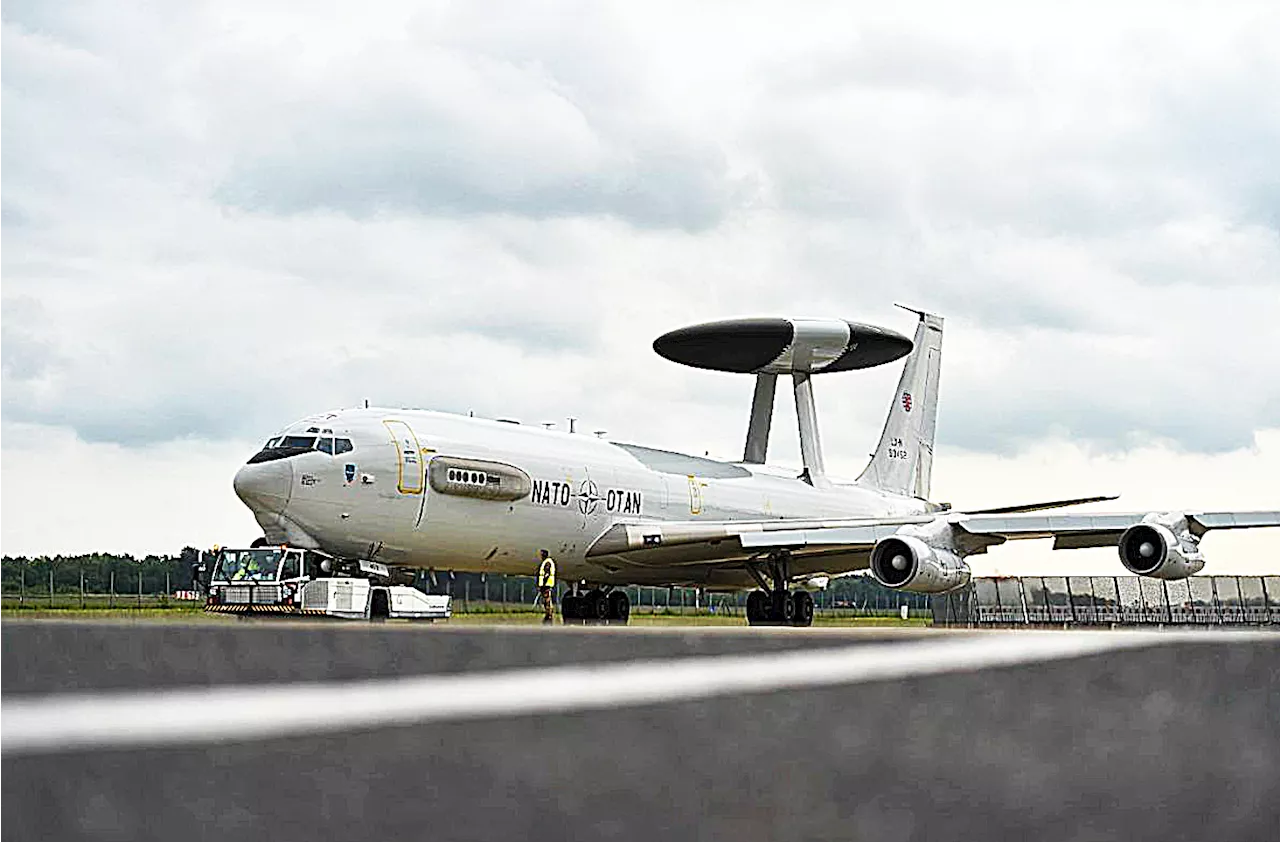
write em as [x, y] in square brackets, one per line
[1162, 548]
[920, 560]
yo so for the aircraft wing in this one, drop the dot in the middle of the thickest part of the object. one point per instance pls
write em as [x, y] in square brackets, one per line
[1076, 531]
[976, 532]
[833, 546]
[665, 544]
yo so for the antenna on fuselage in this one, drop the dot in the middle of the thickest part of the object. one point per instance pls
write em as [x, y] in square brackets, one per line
[769, 347]
[572, 422]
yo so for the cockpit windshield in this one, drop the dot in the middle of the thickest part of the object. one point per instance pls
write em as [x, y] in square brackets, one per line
[260, 565]
[282, 447]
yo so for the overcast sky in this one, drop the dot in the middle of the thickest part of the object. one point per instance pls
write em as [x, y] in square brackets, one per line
[218, 218]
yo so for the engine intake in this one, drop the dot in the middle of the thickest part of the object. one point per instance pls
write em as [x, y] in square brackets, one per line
[1153, 549]
[905, 562]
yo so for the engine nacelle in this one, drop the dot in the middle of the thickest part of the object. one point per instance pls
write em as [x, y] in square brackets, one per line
[907, 562]
[1161, 549]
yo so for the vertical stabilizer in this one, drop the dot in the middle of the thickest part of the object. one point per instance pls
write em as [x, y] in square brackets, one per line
[903, 461]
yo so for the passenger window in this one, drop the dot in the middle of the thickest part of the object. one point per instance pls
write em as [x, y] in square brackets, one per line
[342, 446]
[326, 445]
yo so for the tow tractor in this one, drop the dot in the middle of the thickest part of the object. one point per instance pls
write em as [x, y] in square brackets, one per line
[293, 581]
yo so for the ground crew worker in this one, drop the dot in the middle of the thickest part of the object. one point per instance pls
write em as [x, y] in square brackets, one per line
[202, 567]
[547, 585]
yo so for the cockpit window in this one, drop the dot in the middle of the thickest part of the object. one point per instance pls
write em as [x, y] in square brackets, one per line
[282, 447]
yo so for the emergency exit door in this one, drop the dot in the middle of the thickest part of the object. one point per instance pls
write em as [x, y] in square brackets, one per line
[408, 457]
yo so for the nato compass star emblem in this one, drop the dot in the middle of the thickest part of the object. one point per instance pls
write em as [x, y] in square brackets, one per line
[588, 497]
[906, 401]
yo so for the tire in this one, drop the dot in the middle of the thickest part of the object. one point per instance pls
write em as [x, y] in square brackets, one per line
[597, 606]
[619, 607]
[784, 608]
[757, 608]
[569, 607]
[379, 605]
[802, 604]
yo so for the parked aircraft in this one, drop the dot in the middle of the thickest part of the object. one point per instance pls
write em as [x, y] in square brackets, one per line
[417, 489]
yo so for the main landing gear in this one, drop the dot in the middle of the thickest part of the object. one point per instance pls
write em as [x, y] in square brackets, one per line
[598, 605]
[775, 605]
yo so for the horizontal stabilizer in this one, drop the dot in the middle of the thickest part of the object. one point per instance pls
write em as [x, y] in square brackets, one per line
[1039, 507]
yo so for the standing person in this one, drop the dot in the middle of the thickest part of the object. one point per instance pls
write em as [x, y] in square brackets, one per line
[547, 585]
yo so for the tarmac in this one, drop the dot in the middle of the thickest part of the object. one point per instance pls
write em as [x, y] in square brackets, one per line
[1168, 737]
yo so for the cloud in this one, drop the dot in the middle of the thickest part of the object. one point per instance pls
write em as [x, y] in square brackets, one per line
[453, 121]
[219, 218]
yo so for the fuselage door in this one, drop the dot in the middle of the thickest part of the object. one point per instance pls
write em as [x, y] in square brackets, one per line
[408, 457]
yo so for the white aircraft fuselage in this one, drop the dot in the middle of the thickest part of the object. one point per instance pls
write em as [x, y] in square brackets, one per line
[384, 500]
[419, 489]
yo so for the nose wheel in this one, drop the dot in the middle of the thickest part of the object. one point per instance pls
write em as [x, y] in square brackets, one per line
[774, 604]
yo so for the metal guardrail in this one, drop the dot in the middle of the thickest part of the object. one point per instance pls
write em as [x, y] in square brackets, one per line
[1111, 600]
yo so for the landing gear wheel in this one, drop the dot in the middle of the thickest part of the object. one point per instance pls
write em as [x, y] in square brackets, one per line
[784, 608]
[570, 608]
[597, 605]
[757, 608]
[802, 608]
[619, 607]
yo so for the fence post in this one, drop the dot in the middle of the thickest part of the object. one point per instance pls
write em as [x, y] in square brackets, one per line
[82, 584]
[111, 602]
[139, 584]
[50, 583]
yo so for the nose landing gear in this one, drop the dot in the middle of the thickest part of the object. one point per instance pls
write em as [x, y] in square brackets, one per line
[773, 604]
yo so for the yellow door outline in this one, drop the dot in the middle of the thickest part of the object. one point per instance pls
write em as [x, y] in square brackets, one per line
[408, 457]
[695, 495]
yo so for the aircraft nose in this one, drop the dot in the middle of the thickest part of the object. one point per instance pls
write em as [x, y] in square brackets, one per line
[265, 486]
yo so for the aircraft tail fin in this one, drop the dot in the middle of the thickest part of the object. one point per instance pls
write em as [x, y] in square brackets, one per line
[903, 460]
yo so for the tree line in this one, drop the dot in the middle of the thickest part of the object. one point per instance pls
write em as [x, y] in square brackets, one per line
[101, 572]
[125, 574]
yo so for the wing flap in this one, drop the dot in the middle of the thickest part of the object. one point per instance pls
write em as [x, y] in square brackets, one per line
[1016, 527]
[849, 537]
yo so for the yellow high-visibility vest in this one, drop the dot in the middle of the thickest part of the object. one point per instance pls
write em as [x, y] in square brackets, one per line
[547, 573]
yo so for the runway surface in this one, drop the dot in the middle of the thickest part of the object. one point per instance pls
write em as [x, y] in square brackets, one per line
[474, 733]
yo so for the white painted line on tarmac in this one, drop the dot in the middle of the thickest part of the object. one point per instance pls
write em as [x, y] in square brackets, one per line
[208, 715]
